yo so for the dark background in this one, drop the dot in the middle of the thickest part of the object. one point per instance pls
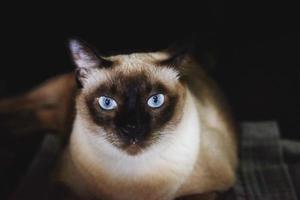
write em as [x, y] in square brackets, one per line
[252, 50]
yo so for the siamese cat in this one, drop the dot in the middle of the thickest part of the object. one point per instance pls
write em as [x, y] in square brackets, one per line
[148, 126]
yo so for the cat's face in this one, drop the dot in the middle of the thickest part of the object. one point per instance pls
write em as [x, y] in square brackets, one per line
[131, 100]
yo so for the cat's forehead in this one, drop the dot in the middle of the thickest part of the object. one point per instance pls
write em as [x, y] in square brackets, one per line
[140, 66]
[139, 58]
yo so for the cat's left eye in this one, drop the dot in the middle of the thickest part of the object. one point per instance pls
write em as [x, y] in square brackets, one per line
[156, 101]
[107, 103]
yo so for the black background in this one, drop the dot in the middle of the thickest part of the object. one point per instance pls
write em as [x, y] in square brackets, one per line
[251, 49]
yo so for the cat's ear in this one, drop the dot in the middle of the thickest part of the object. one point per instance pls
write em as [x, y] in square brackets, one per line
[85, 59]
[179, 53]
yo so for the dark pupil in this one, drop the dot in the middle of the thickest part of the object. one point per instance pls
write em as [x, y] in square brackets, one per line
[155, 99]
[107, 102]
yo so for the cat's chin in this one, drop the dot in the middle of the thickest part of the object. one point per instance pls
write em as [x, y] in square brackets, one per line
[133, 149]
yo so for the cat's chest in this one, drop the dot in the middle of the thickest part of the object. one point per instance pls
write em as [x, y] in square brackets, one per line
[148, 187]
[159, 178]
[161, 182]
[157, 174]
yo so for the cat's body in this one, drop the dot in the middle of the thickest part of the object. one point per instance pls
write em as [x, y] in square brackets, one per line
[192, 152]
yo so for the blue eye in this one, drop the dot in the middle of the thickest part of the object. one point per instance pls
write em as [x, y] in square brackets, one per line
[156, 101]
[107, 103]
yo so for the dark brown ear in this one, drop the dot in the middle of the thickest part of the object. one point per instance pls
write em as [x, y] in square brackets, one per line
[85, 59]
[179, 52]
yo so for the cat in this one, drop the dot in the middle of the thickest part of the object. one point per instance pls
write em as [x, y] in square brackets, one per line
[147, 126]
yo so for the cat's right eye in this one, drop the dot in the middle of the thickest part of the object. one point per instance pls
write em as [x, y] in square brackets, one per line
[107, 103]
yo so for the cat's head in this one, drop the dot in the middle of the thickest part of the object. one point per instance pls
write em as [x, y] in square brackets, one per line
[129, 100]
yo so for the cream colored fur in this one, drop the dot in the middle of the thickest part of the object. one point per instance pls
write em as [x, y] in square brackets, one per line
[169, 161]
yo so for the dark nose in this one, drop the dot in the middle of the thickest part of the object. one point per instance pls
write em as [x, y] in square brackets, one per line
[129, 129]
[130, 126]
